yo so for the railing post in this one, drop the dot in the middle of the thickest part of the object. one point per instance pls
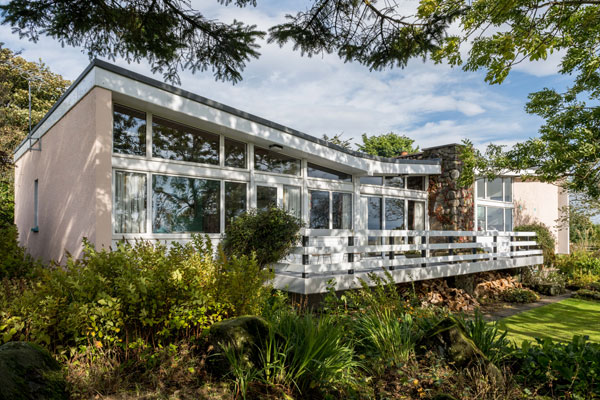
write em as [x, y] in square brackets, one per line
[495, 246]
[451, 241]
[425, 250]
[350, 255]
[512, 248]
[305, 257]
[474, 251]
[391, 241]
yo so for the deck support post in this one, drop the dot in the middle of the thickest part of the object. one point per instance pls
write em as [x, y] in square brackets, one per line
[305, 257]
[424, 251]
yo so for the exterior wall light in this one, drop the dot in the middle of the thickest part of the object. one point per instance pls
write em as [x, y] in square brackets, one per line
[275, 147]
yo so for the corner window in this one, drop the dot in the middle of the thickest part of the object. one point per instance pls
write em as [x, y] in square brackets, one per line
[129, 131]
[174, 141]
[235, 154]
[316, 171]
[130, 202]
[269, 161]
[183, 204]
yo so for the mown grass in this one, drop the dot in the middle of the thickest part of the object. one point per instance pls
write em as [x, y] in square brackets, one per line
[558, 321]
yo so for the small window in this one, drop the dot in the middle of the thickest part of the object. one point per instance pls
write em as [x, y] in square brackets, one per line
[174, 141]
[235, 200]
[415, 183]
[316, 171]
[508, 219]
[394, 181]
[319, 209]
[374, 213]
[341, 210]
[266, 197]
[183, 204]
[292, 201]
[495, 218]
[481, 188]
[494, 189]
[235, 154]
[508, 190]
[394, 213]
[481, 218]
[371, 180]
[129, 131]
[270, 161]
[130, 202]
[416, 215]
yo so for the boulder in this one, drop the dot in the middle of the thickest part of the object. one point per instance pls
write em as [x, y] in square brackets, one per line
[29, 372]
[244, 335]
[449, 340]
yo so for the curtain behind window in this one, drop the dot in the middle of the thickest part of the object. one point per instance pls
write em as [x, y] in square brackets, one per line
[130, 202]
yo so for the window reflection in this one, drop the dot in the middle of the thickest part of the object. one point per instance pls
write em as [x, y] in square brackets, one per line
[269, 161]
[319, 209]
[266, 197]
[316, 171]
[173, 141]
[394, 181]
[341, 210]
[129, 131]
[415, 183]
[394, 213]
[185, 204]
[235, 200]
[235, 154]
[371, 180]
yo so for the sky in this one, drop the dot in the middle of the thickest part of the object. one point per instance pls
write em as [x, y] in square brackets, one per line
[432, 104]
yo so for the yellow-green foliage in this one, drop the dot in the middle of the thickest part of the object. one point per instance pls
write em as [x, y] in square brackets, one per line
[581, 268]
[139, 294]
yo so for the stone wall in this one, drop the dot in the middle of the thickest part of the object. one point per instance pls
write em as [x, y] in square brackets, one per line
[450, 206]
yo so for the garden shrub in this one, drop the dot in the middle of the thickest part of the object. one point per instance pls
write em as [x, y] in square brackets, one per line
[141, 294]
[544, 238]
[581, 267]
[487, 337]
[544, 280]
[14, 261]
[560, 370]
[520, 295]
[587, 294]
[269, 234]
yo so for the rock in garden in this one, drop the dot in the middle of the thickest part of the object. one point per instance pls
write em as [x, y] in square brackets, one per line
[242, 335]
[28, 372]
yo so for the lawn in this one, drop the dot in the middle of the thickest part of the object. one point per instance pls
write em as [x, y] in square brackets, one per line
[559, 321]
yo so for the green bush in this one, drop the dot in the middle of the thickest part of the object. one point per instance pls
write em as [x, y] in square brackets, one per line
[14, 261]
[269, 234]
[520, 295]
[587, 294]
[487, 337]
[140, 294]
[581, 267]
[544, 238]
[560, 370]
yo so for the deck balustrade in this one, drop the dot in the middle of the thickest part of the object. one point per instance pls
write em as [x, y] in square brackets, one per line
[342, 257]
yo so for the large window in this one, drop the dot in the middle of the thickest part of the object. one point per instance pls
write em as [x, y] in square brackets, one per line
[374, 209]
[174, 141]
[499, 189]
[494, 218]
[341, 210]
[416, 215]
[394, 213]
[334, 206]
[181, 204]
[130, 202]
[129, 131]
[319, 209]
[269, 161]
[316, 171]
[292, 201]
[235, 200]
[494, 189]
[235, 154]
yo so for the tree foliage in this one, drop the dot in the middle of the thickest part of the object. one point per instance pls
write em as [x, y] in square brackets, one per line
[338, 140]
[387, 145]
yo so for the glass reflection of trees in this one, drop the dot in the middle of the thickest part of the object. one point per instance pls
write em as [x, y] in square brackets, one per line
[173, 141]
[129, 131]
[185, 204]
[269, 161]
[341, 210]
[394, 213]
[235, 200]
[319, 209]
[235, 154]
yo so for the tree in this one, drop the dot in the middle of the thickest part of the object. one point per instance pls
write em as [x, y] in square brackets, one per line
[46, 88]
[387, 145]
[339, 141]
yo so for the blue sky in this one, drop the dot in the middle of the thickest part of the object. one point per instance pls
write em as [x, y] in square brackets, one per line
[433, 104]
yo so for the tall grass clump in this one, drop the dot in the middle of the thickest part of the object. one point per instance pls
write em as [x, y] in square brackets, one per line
[487, 337]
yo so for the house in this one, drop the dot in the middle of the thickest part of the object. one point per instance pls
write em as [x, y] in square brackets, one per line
[124, 156]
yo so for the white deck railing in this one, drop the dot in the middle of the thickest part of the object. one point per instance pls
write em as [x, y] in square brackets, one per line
[345, 256]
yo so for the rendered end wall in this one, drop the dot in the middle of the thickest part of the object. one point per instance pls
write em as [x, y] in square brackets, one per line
[74, 177]
[542, 202]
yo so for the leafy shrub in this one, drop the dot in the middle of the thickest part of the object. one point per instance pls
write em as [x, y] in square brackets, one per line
[14, 261]
[587, 294]
[564, 370]
[520, 295]
[487, 337]
[269, 234]
[581, 267]
[137, 295]
[539, 279]
[544, 238]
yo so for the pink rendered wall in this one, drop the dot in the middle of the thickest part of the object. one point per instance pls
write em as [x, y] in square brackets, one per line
[74, 177]
[542, 202]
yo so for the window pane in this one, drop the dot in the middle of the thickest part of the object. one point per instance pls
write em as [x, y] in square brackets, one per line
[481, 188]
[394, 213]
[235, 154]
[130, 202]
[374, 212]
[269, 161]
[341, 213]
[495, 218]
[394, 181]
[415, 183]
[235, 200]
[266, 197]
[416, 215]
[508, 219]
[319, 209]
[316, 171]
[508, 189]
[480, 218]
[185, 204]
[174, 141]
[129, 131]
[292, 201]
[494, 189]
[371, 180]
